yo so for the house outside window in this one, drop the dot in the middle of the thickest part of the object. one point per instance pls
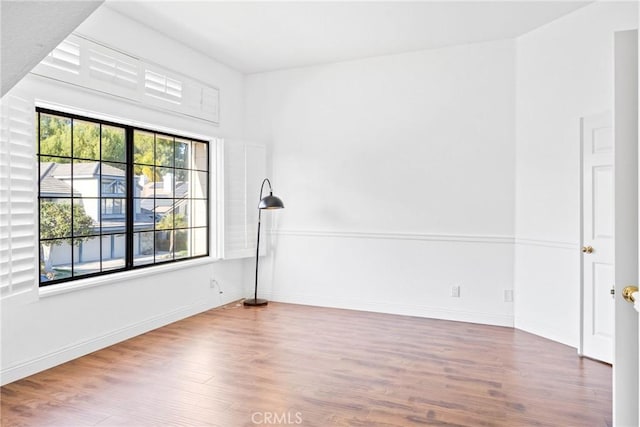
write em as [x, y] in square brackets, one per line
[114, 197]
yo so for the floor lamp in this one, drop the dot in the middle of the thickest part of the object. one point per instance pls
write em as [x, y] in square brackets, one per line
[267, 202]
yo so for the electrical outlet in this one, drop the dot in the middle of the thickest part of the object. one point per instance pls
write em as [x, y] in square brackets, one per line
[508, 295]
[455, 291]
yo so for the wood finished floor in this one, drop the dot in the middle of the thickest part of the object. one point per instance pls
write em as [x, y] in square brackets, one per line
[298, 365]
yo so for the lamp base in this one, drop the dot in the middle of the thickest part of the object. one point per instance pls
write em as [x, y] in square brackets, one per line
[254, 302]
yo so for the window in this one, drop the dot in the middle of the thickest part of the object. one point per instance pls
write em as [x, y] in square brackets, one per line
[115, 197]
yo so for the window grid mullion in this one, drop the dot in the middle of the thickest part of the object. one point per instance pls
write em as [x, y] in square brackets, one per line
[100, 201]
[71, 168]
[130, 214]
[129, 233]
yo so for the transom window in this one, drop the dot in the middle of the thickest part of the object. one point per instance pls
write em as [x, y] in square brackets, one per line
[115, 197]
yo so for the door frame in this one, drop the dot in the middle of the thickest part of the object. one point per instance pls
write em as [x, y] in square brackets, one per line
[625, 354]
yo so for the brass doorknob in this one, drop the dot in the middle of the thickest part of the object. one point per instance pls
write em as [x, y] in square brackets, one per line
[587, 249]
[627, 293]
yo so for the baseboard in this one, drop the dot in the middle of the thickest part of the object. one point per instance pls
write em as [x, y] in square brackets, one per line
[395, 308]
[66, 354]
[544, 331]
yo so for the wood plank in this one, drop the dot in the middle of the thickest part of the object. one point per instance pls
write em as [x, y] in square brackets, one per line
[238, 366]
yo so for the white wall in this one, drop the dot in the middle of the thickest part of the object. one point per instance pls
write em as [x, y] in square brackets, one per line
[397, 174]
[43, 331]
[564, 72]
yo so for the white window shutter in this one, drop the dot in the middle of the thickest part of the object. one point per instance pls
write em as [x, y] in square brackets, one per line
[160, 86]
[210, 104]
[200, 101]
[63, 62]
[244, 170]
[92, 65]
[235, 203]
[18, 221]
[112, 72]
[255, 161]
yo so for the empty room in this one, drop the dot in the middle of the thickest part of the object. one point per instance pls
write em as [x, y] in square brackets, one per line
[340, 213]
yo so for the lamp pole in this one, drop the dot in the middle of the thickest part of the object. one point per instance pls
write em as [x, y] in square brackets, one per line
[268, 202]
[255, 289]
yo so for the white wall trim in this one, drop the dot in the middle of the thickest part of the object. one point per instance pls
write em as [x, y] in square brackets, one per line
[547, 243]
[123, 119]
[394, 308]
[468, 238]
[65, 354]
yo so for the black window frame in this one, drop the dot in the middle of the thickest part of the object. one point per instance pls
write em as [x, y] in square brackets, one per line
[127, 201]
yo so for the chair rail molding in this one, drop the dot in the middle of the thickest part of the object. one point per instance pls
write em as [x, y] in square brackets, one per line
[468, 238]
[547, 243]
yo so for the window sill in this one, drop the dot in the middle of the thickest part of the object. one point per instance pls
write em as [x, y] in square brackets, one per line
[63, 288]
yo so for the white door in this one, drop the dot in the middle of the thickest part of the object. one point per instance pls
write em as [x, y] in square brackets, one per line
[626, 361]
[597, 237]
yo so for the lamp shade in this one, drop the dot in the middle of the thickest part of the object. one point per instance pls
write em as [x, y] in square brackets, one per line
[270, 202]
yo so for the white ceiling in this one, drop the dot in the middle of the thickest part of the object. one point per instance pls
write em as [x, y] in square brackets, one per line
[264, 36]
[29, 30]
